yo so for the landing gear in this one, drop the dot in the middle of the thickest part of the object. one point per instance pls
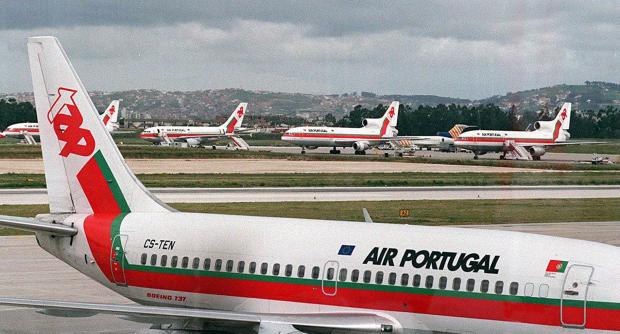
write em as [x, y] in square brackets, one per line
[386, 155]
[502, 157]
[360, 152]
[334, 151]
[536, 158]
[213, 147]
[303, 151]
[476, 157]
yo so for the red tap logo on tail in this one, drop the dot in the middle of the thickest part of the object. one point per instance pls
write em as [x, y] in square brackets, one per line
[66, 118]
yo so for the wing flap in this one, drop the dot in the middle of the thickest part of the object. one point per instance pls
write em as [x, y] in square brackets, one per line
[33, 225]
[364, 322]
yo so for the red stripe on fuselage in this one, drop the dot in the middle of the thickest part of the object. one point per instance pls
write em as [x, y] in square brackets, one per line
[476, 308]
[331, 136]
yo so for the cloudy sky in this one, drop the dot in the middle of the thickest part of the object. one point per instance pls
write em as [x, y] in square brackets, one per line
[469, 49]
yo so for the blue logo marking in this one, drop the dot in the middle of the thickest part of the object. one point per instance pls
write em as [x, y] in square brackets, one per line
[346, 250]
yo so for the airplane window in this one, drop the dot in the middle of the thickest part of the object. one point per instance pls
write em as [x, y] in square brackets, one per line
[429, 282]
[484, 286]
[289, 270]
[379, 277]
[416, 280]
[330, 274]
[470, 284]
[514, 288]
[173, 261]
[276, 269]
[207, 264]
[229, 265]
[240, 266]
[143, 258]
[218, 264]
[392, 278]
[367, 274]
[499, 287]
[529, 289]
[185, 262]
[263, 268]
[543, 291]
[154, 259]
[355, 275]
[343, 275]
[301, 271]
[196, 263]
[164, 260]
[252, 267]
[404, 280]
[443, 282]
[315, 272]
[456, 284]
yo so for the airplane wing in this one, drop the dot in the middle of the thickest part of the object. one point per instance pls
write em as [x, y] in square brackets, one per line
[264, 323]
[35, 225]
[566, 143]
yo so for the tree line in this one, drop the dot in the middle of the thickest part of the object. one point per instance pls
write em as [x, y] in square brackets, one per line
[12, 112]
[428, 120]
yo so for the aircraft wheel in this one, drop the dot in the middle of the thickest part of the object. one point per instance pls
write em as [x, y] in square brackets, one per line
[303, 151]
[502, 157]
[213, 147]
[536, 158]
[387, 155]
[400, 154]
[475, 157]
[363, 152]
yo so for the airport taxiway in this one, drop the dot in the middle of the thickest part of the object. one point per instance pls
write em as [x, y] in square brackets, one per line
[30, 272]
[297, 194]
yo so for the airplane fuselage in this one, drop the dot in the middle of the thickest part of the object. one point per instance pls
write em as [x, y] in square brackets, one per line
[313, 136]
[426, 278]
[183, 133]
[483, 141]
[20, 130]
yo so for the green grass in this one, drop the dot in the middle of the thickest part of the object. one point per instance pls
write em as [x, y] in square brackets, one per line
[453, 212]
[345, 179]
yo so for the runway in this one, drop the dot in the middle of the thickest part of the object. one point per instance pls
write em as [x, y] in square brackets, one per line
[259, 166]
[35, 274]
[304, 194]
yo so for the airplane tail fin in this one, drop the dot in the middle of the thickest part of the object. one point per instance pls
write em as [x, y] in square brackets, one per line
[235, 119]
[457, 130]
[84, 170]
[563, 115]
[390, 120]
[110, 115]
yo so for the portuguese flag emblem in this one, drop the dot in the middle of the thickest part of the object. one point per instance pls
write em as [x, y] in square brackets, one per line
[557, 266]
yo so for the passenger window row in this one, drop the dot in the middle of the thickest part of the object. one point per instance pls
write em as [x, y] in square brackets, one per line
[343, 274]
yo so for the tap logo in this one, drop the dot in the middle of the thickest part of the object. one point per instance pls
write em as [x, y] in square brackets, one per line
[66, 118]
[391, 113]
[563, 115]
[240, 112]
[112, 110]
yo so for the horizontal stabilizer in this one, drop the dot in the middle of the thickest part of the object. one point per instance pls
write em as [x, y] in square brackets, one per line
[33, 225]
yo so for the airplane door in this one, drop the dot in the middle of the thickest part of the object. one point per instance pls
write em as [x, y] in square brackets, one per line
[329, 283]
[117, 259]
[574, 296]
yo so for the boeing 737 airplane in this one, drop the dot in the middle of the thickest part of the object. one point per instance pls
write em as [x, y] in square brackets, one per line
[374, 131]
[523, 145]
[195, 135]
[29, 132]
[443, 141]
[268, 275]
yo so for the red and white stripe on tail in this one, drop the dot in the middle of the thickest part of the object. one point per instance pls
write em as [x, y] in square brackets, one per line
[390, 120]
[235, 119]
[110, 116]
[84, 170]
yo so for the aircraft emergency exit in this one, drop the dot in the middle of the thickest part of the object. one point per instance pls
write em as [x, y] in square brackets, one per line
[284, 275]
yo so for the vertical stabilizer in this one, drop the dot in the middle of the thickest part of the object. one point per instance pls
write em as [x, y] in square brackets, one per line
[84, 170]
[110, 116]
[390, 120]
[235, 119]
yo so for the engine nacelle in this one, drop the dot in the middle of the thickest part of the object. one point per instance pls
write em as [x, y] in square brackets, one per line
[537, 151]
[193, 141]
[371, 122]
[311, 147]
[361, 145]
[544, 125]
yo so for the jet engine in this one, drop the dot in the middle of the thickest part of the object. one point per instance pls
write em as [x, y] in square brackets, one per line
[371, 122]
[361, 146]
[544, 125]
[536, 151]
[193, 141]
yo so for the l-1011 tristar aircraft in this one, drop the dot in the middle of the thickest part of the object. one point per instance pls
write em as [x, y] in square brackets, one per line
[195, 135]
[29, 132]
[281, 275]
[374, 131]
[522, 145]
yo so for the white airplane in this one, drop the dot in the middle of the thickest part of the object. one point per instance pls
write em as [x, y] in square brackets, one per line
[195, 135]
[268, 275]
[374, 132]
[524, 145]
[443, 141]
[29, 132]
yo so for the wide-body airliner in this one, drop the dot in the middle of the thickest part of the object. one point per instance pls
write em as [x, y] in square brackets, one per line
[196, 135]
[374, 132]
[29, 132]
[522, 145]
[190, 271]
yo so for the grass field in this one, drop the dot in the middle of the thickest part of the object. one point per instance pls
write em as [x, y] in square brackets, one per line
[345, 180]
[421, 212]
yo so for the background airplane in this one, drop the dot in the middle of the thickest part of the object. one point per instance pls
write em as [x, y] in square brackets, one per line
[271, 275]
[29, 132]
[196, 135]
[374, 132]
[443, 141]
[523, 145]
